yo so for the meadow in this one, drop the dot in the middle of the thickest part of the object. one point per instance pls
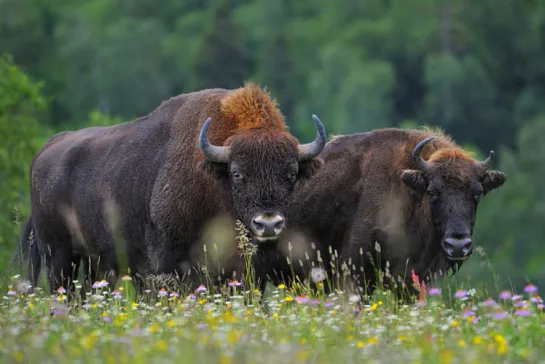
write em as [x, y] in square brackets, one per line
[294, 325]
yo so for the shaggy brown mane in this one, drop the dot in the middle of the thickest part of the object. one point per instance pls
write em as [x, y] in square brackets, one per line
[251, 107]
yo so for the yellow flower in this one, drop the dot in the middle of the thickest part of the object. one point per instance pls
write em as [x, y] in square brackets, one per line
[301, 355]
[350, 337]
[379, 303]
[461, 343]
[288, 298]
[153, 328]
[202, 301]
[87, 342]
[248, 311]
[162, 345]
[281, 286]
[233, 336]
[445, 356]
[360, 344]
[454, 323]
[502, 344]
[372, 340]
[373, 306]
[17, 356]
[224, 359]
[402, 338]
[171, 323]
[275, 315]
[303, 341]
[477, 340]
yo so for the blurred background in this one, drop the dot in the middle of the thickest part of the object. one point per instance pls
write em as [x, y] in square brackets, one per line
[474, 68]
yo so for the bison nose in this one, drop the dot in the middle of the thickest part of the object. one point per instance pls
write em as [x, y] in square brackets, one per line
[457, 249]
[267, 226]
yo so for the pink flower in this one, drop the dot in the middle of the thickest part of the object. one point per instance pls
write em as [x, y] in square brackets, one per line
[12, 292]
[505, 295]
[461, 293]
[235, 283]
[434, 291]
[61, 290]
[530, 288]
[201, 288]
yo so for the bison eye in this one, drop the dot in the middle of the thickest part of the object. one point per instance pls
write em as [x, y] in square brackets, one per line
[478, 196]
[431, 194]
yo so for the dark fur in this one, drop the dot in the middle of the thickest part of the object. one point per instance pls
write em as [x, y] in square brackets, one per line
[368, 192]
[150, 174]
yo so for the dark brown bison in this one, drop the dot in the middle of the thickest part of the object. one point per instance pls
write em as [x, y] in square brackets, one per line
[161, 178]
[392, 200]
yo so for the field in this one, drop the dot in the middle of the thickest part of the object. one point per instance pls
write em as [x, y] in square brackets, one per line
[461, 326]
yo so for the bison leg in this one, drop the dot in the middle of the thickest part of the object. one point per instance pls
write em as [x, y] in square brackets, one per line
[60, 268]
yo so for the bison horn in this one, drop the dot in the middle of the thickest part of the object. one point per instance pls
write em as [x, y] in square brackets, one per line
[311, 150]
[214, 153]
[417, 158]
[484, 164]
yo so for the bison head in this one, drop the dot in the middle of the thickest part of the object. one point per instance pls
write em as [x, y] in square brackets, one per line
[259, 168]
[453, 185]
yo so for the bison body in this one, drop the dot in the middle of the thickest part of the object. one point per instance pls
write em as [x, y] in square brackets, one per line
[152, 189]
[391, 200]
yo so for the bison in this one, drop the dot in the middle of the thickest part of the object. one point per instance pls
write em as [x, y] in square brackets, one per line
[162, 178]
[393, 200]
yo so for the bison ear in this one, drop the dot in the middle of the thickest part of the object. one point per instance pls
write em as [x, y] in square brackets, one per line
[414, 179]
[492, 180]
[216, 170]
[308, 168]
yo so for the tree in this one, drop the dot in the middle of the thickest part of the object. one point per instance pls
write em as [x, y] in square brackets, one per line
[20, 103]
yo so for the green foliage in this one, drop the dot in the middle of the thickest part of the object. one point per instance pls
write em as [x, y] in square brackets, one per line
[20, 101]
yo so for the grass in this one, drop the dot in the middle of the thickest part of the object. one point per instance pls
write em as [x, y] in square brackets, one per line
[294, 326]
[204, 328]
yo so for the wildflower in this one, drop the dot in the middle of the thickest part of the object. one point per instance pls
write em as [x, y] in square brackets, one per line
[468, 312]
[201, 288]
[235, 283]
[530, 288]
[162, 345]
[24, 286]
[500, 315]
[360, 344]
[505, 295]
[12, 292]
[116, 294]
[489, 302]
[536, 299]
[302, 299]
[288, 298]
[315, 301]
[96, 285]
[522, 312]
[191, 296]
[153, 328]
[104, 283]
[461, 293]
[454, 323]
[162, 292]
[174, 294]
[281, 286]
[502, 345]
[434, 291]
[106, 319]
[328, 303]
[126, 277]
[354, 298]
[317, 274]
[372, 340]
[461, 343]
[540, 306]
[61, 290]
[477, 340]
[516, 297]
[171, 323]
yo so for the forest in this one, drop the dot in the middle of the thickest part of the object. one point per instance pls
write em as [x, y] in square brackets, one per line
[473, 68]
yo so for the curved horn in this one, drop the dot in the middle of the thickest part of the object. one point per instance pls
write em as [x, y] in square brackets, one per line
[214, 153]
[484, 164]
[417, 159]
[311, 150]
